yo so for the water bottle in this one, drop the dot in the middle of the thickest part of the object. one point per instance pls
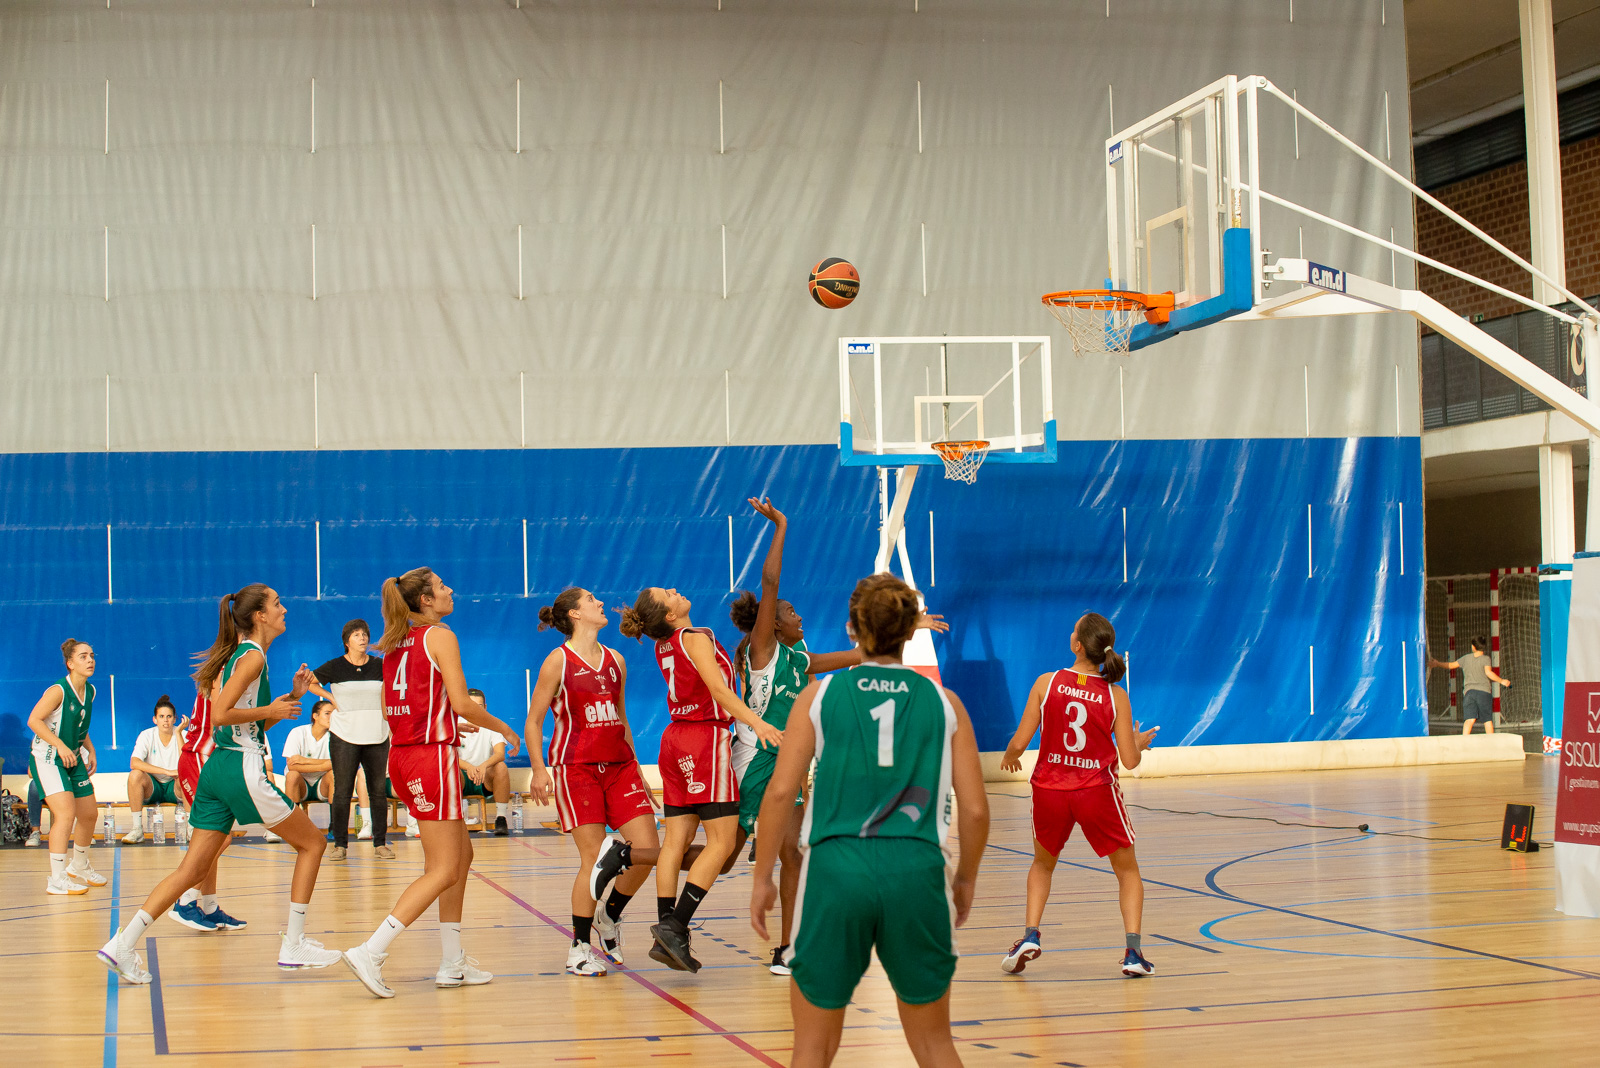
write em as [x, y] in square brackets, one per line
[516, 813]
[156, 830]
[110, 825]
[180, 827]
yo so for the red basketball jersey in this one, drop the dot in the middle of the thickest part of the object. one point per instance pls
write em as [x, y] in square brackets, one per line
[688, 698]
[414, 700]
[1077, 747]
[588, 729]
[197, 737]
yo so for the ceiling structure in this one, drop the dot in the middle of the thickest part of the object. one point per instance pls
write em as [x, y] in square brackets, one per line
[1466, 60]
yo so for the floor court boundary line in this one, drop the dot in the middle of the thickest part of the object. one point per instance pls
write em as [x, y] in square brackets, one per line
[109, 1052]
[158, 1005]
[681, 1006]
[1223, 895]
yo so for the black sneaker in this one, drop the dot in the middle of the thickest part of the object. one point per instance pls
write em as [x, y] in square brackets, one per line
[500, 828]
[615, 858]
[672, 945]
[778, 967]
[752, 857]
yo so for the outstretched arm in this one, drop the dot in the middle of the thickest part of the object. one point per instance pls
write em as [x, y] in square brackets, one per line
[698, 646]
[764, 635]
[1131, 741]
[972, 809]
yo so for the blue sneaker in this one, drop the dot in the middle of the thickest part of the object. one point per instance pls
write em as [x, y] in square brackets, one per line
[1134, 964]
[191, 917]
[224, 921]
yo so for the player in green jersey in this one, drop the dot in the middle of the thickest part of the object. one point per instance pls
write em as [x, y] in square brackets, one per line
[891, 746]
[61, 761]
[774, 666]
[234, 786]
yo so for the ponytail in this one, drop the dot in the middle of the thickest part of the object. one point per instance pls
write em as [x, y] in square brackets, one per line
[559, 614]
[235, 615]
[647, 618]
[69, 647]
[742, 614]
[401, 598]
[1096, 635]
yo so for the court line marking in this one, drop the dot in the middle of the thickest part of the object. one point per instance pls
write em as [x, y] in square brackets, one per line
[158, 1006]
[109, 1054]
[693, 1014]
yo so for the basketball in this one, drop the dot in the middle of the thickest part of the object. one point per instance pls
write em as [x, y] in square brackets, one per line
[834, 282]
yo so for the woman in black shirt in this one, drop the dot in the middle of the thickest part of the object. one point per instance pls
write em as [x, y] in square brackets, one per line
[358, 736]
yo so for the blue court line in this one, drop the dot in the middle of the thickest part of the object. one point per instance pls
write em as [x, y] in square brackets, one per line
[109, 1057]
[1181, 942]
[158, 1007]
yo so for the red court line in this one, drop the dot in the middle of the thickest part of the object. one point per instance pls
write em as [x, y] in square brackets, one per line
[693, 1014]
[1283, 1019]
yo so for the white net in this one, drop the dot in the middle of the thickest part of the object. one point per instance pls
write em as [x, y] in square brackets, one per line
[962, 459]
[1098, 325]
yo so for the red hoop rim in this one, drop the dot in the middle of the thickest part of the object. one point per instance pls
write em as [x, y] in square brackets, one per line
[1157, 307]
[957, 449]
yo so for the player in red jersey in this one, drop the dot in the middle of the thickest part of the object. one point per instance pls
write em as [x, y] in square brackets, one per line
[424, 691]
[1088, 725]
[698, 786]
[593, 773]
[197, 909]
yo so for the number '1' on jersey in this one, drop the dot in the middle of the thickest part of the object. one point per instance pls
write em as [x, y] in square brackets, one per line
[883, 756]
[1077, 747]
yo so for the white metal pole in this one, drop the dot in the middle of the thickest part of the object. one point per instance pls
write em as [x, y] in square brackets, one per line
[113, 691]
[108, 411]
[524, 558]
[1253, 134]
[319, 559]
[519, 116]
[519, 262]
[1548, 251]
[730, 554]
[1016, 395]
[108, 564]
[313, 116]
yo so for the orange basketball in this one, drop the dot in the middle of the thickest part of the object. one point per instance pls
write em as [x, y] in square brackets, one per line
[834, 282]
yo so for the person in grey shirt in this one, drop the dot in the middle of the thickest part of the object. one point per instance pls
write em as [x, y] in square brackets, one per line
[1476, 674]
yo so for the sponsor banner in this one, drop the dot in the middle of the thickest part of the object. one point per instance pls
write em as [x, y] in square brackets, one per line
[1578, 798]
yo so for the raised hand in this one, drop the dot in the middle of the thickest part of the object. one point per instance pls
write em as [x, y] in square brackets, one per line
[1146, 738]
[930, 621]
[765, 506]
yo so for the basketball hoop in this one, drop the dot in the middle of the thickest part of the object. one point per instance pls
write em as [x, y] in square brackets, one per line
[962, 458]
[1102, 320]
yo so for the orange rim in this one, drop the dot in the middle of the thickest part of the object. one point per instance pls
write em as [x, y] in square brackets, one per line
[1157, 307]
[954, 450]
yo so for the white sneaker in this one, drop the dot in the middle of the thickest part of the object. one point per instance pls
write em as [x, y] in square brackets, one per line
[583, 960]
[86, 874]
[272, 837]
[307, 953]
[365, 833]
[412, 829]
[124, 961]
[610, 935]
[33, 839]
[368, 967]
[60, 884]
[133, 837]
[463, 972]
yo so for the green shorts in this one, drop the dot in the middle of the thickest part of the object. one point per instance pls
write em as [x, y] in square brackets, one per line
[475, 789]
[52, 778]
[234, 788]
[163, 793]
[753, 787]
[861, 893]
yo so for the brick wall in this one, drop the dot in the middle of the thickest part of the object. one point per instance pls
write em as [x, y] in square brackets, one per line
[1497, 201]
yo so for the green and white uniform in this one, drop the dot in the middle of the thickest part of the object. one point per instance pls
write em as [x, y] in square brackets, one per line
[233, 783]
[70, 722]
[769, 693]
[874, 835]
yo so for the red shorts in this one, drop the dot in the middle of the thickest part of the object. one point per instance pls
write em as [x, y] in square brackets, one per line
[189, 765]
[427, 780]
[697, 764]
[610, 794]
[1099, 810]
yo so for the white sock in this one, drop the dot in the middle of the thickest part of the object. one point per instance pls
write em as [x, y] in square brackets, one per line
[58, 865]
[450, 938]
[386, 932]
[208, 903]
[501, 808]
[297, 921]
[80, 858]
[135, 928]
[189, 896]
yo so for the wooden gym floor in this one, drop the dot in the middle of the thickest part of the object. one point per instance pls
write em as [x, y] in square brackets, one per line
[1272, 944]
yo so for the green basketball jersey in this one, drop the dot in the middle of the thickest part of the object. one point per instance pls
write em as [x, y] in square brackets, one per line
[246, 737]
[70, 721]
[770, 692]
[883, 756]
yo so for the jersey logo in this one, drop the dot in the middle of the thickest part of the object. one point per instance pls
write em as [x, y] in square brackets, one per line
[418, 798]
[686, 765]
[601, 713]
[883, 686]
[909, 803]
